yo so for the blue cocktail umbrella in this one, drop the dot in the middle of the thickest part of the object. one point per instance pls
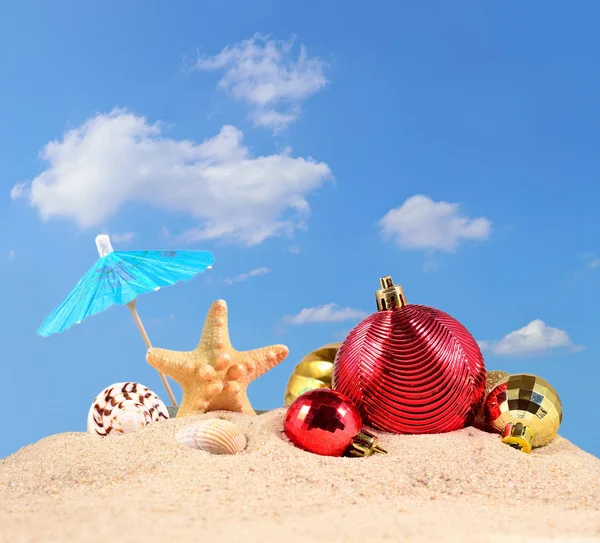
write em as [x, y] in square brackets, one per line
[118, 277]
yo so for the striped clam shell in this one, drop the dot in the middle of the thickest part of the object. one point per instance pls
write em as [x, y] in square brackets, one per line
[123, 408]
[216, 436]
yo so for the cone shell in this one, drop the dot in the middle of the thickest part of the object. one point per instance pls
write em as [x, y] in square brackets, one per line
[216, 436]
[313, 372]
[123, 408]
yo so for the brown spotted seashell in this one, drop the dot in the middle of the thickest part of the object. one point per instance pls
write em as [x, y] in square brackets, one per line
[123, 408]
[216, 436]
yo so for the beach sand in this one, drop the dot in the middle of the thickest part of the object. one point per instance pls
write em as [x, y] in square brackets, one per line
[144, 487]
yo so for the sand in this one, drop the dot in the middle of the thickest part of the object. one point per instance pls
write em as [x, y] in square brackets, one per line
[144, 487]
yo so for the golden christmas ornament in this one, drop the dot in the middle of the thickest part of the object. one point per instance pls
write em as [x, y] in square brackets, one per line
[214, 376]
[492, 378]
[525, 409]
[313, 372]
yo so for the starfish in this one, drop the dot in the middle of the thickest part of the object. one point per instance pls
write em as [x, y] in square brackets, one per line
[214, 376]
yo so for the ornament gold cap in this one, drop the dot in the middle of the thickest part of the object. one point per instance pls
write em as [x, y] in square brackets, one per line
[365, 444]
[518, 436]
[389, 296]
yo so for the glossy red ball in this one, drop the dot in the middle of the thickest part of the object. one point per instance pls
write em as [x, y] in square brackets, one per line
[411, 370]
[322, 421]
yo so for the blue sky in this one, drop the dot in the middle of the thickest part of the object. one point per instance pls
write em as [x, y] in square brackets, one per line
[454, 147]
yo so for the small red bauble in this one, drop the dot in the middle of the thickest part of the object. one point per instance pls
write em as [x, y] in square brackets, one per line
[322, 421]
[410, 369]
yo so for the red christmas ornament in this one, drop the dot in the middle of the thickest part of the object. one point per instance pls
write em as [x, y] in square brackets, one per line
[410, 369]
[325, 422]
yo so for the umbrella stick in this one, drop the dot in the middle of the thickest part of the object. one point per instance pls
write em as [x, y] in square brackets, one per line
[132, 307]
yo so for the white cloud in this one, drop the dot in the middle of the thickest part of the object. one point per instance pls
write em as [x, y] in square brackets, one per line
[17, 191]
[124, 237]
[594, 263]
[244, 276]
[262, 73]
[536, 337]
[117, 158]
[421, 223]
[12, 255]
[294, 249]
[326, 313]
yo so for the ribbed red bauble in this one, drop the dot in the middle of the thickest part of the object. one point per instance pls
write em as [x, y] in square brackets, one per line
[410, 369]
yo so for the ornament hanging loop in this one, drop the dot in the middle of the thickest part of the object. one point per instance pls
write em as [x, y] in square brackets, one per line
[389, 296]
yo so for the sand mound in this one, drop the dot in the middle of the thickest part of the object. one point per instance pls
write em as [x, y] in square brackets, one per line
[144, 487]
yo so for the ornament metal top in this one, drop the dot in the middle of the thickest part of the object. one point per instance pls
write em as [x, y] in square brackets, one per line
[389, 296]
[410, 368]
[525, 409]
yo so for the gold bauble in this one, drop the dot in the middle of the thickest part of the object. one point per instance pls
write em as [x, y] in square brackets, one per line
[525, 409]
[313, 371]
